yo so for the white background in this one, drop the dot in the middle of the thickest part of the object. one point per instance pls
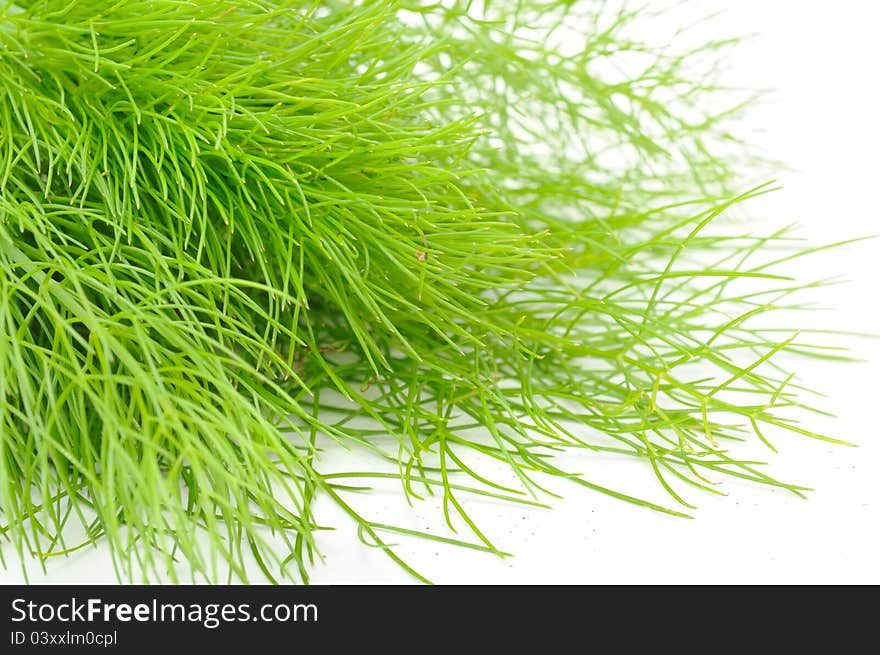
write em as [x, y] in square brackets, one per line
[824, 120]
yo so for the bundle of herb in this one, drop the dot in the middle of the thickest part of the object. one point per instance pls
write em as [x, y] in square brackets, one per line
[235, 234]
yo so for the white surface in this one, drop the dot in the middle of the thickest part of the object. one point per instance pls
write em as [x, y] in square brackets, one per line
[822, 58]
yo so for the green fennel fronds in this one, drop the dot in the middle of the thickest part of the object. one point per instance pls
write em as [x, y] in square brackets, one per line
[236, 234]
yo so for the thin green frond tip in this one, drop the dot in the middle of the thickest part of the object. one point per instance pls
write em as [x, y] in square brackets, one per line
[242, 240]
